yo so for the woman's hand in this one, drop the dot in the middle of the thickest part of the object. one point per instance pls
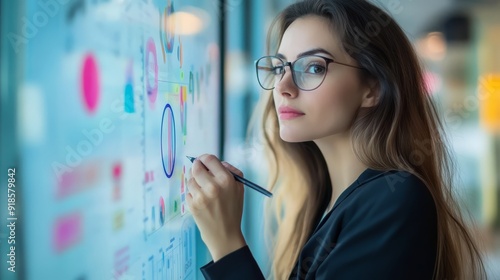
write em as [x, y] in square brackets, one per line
[215, 199]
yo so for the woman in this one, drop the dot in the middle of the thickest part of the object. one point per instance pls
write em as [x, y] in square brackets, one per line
[360, 171]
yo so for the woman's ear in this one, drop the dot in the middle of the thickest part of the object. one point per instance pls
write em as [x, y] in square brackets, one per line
[371, 96]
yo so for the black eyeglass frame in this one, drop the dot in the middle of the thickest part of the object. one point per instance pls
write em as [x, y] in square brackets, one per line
[291, 64]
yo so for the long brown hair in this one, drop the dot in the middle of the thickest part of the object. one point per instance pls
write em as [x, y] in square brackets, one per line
[402, 132]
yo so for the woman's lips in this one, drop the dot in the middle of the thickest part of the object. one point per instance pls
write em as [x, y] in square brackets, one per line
[288, 113]
[289, 116]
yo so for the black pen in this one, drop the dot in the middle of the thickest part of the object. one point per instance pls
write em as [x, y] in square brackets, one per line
[245, 182]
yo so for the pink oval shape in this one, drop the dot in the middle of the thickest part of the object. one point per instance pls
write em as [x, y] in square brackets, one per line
[90, 83]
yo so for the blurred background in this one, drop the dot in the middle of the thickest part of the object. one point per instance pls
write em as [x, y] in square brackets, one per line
[458, 42]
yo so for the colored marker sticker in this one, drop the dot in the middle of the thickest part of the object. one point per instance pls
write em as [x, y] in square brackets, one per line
[90, 86]
[168, 142]
[129, 89]
[121, 261]
[80, 179]
[162, 211]
[67, 231]
[117, 171]
[149, 176]
[118, 220]
[151, 70]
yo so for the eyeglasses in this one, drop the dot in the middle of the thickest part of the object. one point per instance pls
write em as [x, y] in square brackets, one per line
[308, 72]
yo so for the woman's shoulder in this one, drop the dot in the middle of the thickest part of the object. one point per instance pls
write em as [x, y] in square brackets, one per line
[396, 182]
[395, 189]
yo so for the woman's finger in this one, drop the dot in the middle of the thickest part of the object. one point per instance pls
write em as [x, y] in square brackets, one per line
[203, 177]
[189, 201]
[212, 180]
[221, 176]
[233, 169]
[198, 196]
[193, 187]
[213, 164]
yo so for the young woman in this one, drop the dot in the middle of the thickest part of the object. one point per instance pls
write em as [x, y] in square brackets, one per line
[360, 172]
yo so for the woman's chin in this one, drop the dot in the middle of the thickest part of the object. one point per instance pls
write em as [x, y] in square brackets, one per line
[291, 138]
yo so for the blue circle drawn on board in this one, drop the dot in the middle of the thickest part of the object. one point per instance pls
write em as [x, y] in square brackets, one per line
[171, 171]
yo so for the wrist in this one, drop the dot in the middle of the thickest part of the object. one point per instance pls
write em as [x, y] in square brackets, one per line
[229, 246]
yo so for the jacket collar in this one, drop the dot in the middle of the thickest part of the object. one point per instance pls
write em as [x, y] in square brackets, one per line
[366, 176]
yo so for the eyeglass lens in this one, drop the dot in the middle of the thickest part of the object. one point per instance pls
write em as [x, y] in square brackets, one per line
[308, 72]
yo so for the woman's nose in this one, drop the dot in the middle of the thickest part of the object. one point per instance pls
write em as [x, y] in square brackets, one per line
[286, 85]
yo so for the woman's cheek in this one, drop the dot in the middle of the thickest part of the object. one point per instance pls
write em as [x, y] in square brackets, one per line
[339, 109]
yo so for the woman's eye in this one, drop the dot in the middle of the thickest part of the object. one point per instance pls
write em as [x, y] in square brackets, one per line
[277, 70]
[315, 69]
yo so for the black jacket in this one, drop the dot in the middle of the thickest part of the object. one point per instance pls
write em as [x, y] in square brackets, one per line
[383, 226]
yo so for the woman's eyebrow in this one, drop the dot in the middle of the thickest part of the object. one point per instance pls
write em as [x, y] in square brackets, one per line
[309, 52]
[315, 51]
[282, 56]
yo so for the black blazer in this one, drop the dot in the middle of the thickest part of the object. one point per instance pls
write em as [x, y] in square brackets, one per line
[383, 226]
